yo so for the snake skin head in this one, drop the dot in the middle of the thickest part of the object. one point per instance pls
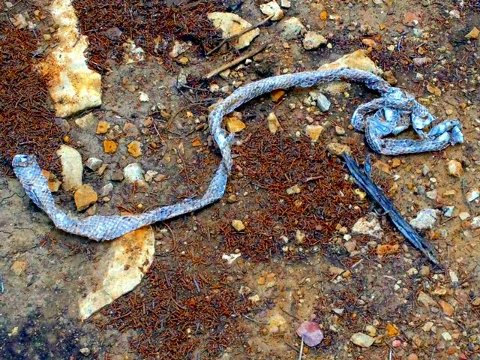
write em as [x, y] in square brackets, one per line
[26, 168]
[23, 161]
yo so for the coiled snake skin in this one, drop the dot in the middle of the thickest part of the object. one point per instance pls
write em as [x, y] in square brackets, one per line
[390, 114]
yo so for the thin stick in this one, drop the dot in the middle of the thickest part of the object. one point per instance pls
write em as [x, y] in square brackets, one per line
[250, 28]
[301, 350]
[235, 62]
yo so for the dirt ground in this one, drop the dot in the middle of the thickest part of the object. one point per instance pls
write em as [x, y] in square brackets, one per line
[298, 257]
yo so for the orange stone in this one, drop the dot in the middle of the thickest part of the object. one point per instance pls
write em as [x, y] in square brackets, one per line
[324, 15]
[53, 182]
[387, 249]
[102, 127]
[196, 142]
[392, 330]
[396, 163]
[446, 308]
[84, 197]
[110, 146]
[135, 148]
[276, 95]
[369, 43]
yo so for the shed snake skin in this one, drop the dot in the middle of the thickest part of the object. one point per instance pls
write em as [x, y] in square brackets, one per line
[386, 116]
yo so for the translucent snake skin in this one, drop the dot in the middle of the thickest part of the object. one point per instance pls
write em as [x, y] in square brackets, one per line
[390, 114]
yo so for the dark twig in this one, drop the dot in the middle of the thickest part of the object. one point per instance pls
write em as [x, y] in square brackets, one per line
[235, 62]
[400, 223]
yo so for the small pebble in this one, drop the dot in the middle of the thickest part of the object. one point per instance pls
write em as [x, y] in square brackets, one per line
[339, 130]
[310, 332]
[110, 146]
[295, 189]
[135, 148]
[455, 168]
[84, 197]
[150, 175]
[292, 28]
[272, 9]
[448, 211]
[93, 163]
[143, 97]
[338, 149]
[323, 103]
[133, 173]
[368, 225]
[446, 336]
[238, 225]
[475, 222]
[102, 127]
[300, 236]
[234, 124]
[425, 169]
[464, 215]
[117, 175]
[426, 299]
[313, 40]
[473, 195]
[106, 189]
[314, 132]
[273, 123]
[432, 194]
[372, 330]
[85, 351]
[425, 270]
[362, 340]
[427, 326]
[396, 343]
[473, 34]
[412, 271]
[425, 219]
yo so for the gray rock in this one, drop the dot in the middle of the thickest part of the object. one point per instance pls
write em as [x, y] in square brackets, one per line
[464, 215]
[425, 219]
[292, 28]
[362, 340]
[178, 49]
[117, 175]
[432, 195]
[150, 175]
[93, 163]
[87, 122]
[426, 300]
[133, 173]
[420, 61]
[473, 195]
[106, 189]
[85, 351]
[368, 225]
[313, 40]
[113, 33]
[448, 211]
[323, 103]
[476, 222]
[272, 9]
[425, 170]
[231, 24]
